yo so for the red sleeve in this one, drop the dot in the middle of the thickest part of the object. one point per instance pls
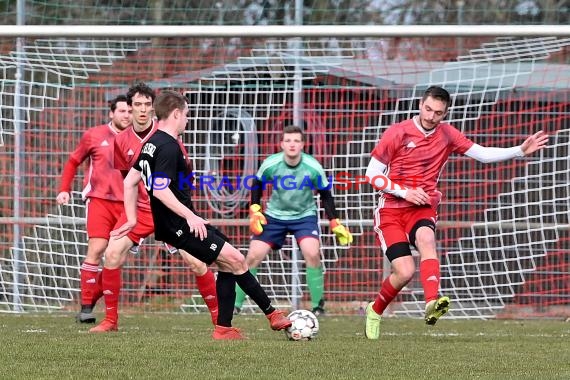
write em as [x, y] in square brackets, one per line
[68, 174]
[79, 155]
[386, 147]
[459, 143]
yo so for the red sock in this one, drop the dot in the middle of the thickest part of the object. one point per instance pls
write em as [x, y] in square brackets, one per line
[386, 295]
[207, 287]
[429, 276]
[111, 281]
[89, 284]
[99, 290]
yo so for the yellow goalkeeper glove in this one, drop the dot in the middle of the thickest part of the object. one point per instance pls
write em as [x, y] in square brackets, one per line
[342, 233]
[256, 219]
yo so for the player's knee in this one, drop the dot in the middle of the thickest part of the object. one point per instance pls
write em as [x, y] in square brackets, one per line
[423, 233]
[94, 257]
[236, 261]
[312, 259]
[403, 268]
[425, 238]
[197, 267]
[113, 258]
[404, 273]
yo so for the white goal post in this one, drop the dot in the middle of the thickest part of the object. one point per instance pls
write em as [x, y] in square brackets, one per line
[482, 272]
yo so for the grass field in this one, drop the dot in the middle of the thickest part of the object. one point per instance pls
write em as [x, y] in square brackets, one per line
[176, 346]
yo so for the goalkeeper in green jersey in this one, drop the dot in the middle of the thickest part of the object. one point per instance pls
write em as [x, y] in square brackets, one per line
[294, 177]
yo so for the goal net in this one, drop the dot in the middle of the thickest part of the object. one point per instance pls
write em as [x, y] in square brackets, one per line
[503, 230]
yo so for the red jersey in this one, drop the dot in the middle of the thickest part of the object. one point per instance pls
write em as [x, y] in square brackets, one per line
[101, 179]
[128, 146]
[416, 160]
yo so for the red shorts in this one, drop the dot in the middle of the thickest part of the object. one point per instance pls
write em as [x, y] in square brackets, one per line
[393, 225]
[102, 216]
[144, 227]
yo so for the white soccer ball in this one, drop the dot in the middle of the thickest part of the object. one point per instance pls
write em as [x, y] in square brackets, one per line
[305, 325]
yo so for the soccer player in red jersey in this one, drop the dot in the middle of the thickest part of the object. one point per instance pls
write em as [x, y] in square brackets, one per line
[405, 168]
[127, 149]
[103, 194]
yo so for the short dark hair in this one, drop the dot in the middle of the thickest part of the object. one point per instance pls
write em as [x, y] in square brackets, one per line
[438, 93]
[294, 129]
[113, 102]
[168, 101]
[143, 89]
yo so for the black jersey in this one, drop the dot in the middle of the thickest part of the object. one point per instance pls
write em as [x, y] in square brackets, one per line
[162, 163]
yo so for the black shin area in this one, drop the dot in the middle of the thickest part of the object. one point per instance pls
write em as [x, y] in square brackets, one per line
[226, 289]
[249, 284]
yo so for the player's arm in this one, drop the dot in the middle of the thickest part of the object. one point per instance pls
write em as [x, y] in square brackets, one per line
[131, 195]
[196, 224]
[256, 218]
[164, 171]
[382, 155]
[70, 168]
[491, 154]
[69, 171]
[376, 176]
[341, 232]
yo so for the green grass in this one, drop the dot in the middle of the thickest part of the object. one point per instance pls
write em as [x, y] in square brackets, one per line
[177, 346]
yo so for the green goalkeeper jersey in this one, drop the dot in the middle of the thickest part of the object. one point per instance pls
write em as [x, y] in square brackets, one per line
[293, 191]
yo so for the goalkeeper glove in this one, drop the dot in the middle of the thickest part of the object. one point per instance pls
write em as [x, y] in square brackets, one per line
[256, 219]
[342, 233]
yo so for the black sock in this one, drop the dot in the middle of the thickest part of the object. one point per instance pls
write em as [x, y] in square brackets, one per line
[249, 284]
[226, 289]
[86, 308]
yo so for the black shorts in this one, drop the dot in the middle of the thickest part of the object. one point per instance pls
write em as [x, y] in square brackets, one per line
[206, 250]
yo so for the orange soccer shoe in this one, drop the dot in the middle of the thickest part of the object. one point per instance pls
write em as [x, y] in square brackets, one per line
[226, 333]
[278, 320]
[105, 326]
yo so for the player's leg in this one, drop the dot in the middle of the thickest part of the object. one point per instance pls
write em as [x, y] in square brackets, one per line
[115, 255]
[394, 243]
[90, 279]
[422, 236]
[306, 231]
[272, 237]
[205, 282]
[233, 269]
[101, 217]
[311, 250]
[257, 252]
[207, 251]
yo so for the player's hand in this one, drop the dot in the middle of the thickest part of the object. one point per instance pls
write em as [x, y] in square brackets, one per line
[534, 143]
[256, 219]
[417, 196]
[62, 198]
[124, 229]
[342, 233]
[197, 226]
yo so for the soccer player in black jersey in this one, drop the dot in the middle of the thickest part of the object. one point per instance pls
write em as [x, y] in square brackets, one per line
[162, 167]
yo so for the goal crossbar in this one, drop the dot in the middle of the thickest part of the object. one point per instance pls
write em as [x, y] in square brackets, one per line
[106, 31]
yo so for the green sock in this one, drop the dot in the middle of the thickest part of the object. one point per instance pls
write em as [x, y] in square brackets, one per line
[316, 284]
[240, 294]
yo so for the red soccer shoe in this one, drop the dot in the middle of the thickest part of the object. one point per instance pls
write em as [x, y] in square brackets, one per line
[278, 320]
[105, 326]
[226, 333]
